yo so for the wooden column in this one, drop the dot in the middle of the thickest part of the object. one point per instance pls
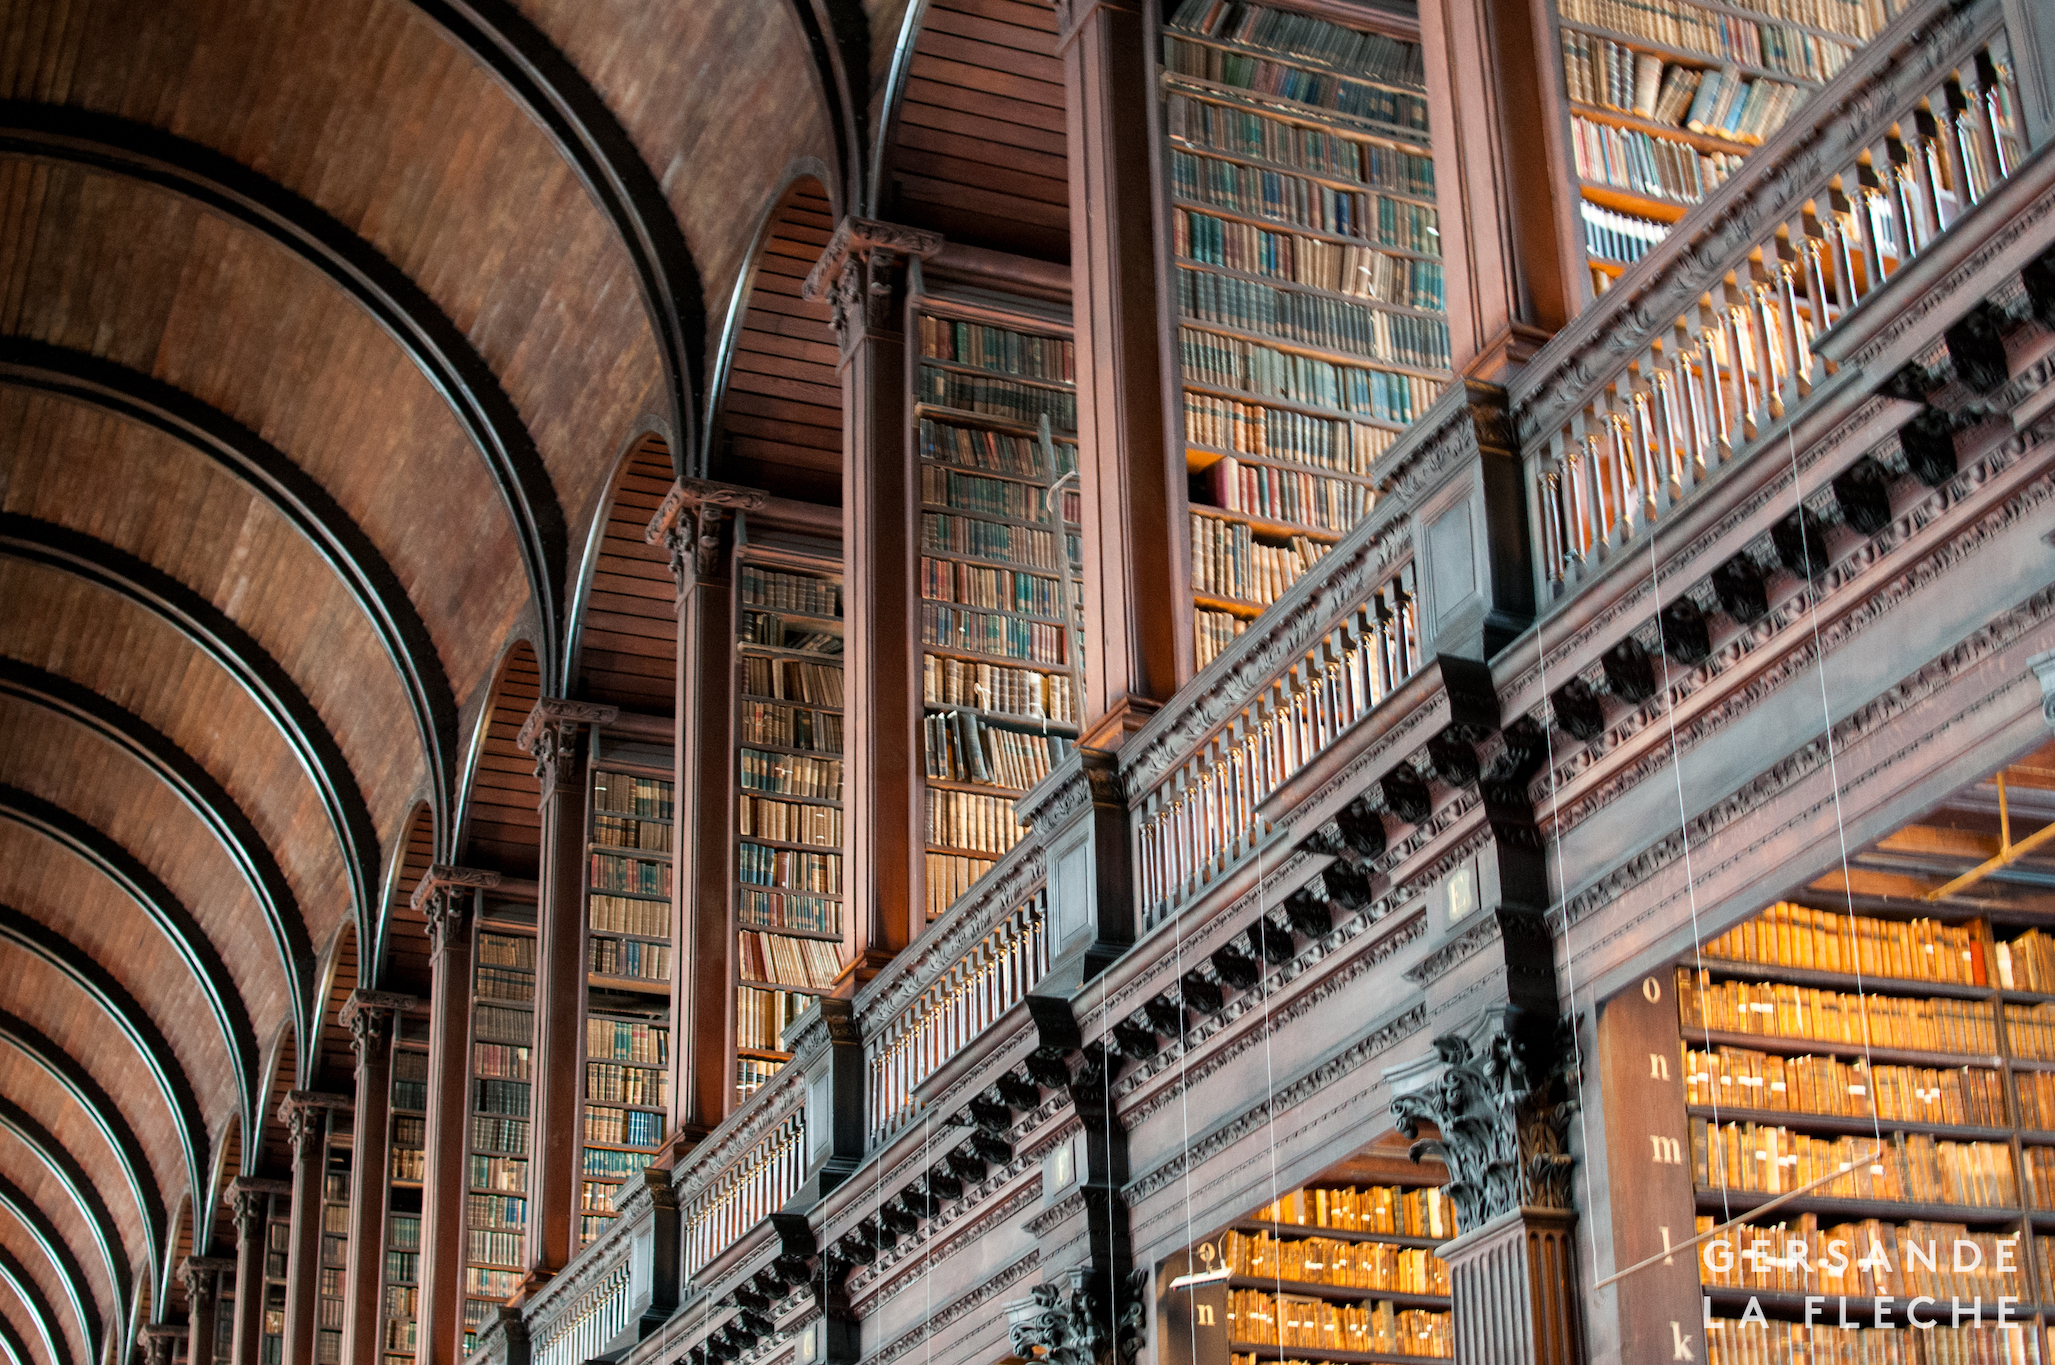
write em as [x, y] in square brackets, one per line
[555, 735]
[1137, 571]
[202, 1278]
[372, 1017]
[305, 1115]
[251, 1201]
[692, 525]
[1511, 241]
[451, 908]
[863, 275]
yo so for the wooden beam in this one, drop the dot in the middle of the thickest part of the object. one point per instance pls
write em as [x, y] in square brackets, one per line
[436, 345]
[297, 497]
[15, 1277]
[260, 676]
[78, 1183]
[163, 908]
[838, 35]
[13, 1347]
[58, 1252]
[207, 799]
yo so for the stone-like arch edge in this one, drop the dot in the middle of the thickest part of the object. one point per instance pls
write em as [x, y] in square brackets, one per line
[267, 473]
[164, 909]
[13, 1347]
[595, 536]
[838, 35]
[262, 679]
[14, 1278]
[798, 169]
[78, 1290]
[559, 100]
[444, 355]
[895, 92]
[78, 1183]
[201, 794]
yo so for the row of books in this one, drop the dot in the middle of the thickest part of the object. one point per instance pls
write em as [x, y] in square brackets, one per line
[503, 1061]
[2027, 963]
[623, 1040]
[1287, 495]
[1328, 1260]
[967, 820]
[610, 1082]
[611, 1165]
[780, 910]
[1863, 1259]
[997, 687]
[792, 774]
[1911, 1168]
[1228, 363]
[1203, 123]
[1726, 37]
[1291, 315]
[408, 1163]
[489, 1096]
[625, 831]
[1647, 165]
[628, 957]
[1716, 103]
[509, 1173]
[495, 1211]
[1392, 109]
[1264, 1319]
[1802, 1012]
[1791, 935]
[995, 452]
[1003, 398]
[1619, 236]
[623, 1127]
[596, 1197]
[591, 1228]
[505, 983]
[1757, 1341]
[494, 1023]
[973, 585]
[494, 1248]
[508, 1136]
[980, 632]
[950, 877]
[802, 593]
[791, 727]
[2030, 1031]
[410, 1095]
[1417, 1211]
[489, 1284]
[1213, 631]
[998, 348]
[622, 915]
[792, 680]
[943, 487]
[1733, 1077]
[1228, 561]
[762, 1016]
[964, 748]
[503, 950]
[2040, 1175]
[409, 1132]
[782, 960]
[611, 872]
[1023, 545]
[751, 1073]
[788, 869]
[647, 798]
[1858, 19]
[1338, 267]
[1368, 54]
[1299, 438]
[766, 628]
[1282, 197]
[789, 822]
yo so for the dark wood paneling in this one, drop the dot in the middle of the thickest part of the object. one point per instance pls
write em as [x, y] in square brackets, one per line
[405, 939]
[628, 625]
[502, 823]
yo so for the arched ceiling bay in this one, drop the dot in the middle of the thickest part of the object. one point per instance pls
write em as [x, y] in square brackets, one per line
[626, 622]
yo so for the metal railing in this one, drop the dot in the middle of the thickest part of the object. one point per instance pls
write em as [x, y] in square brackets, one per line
[1708, 346]
[959, 1004]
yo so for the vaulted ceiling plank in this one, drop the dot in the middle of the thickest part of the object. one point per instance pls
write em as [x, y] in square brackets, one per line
[78, 1183]
[57, 1251]
[15, 1276]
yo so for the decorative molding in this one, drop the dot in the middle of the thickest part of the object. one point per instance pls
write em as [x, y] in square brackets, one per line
[949, 939]
[689, 518]
[1087, 777]
[1070, 1324]
[1462, 947]
[860, 274]
[550, 734]
[958, 1308]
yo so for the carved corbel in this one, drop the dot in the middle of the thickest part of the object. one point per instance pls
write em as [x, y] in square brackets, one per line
[303, 1112]
[250, 1200]
[862, 273]
[550, 736]
[1067, 1323]
[370, 1017]
[688, 525]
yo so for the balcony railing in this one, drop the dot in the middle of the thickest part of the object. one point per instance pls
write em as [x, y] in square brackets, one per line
[1707, 348]
[582, 1329]
[752, 1164]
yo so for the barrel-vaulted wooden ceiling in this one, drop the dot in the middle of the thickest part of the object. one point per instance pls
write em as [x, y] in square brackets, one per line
[344, 346]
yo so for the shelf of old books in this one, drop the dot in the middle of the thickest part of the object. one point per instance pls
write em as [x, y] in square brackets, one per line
[788, 803]
[502, 1042]
[628, 947]
[1000, 596]
[1915, 1044]
[1667, 100]
[1309, 285]
[406, 1164]
[335, 1238]
[278, 1240]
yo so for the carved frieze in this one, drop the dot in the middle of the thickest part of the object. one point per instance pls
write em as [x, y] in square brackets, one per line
[1070, 1324]
[861, 274]
[688, 524]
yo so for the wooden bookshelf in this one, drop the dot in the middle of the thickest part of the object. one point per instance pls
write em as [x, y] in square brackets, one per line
[334, 1270]
[789, 820]
[502, 1058]
[278, 1228]
[400, 1275]
[1000, 595]
[1310, 328]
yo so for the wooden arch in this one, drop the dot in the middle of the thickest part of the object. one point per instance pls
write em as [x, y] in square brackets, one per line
[78, 1185]
[501, 829]
[15, 1278]
[624, 620]
[71, 1276]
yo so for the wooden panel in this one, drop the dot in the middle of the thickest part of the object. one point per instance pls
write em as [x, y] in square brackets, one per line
[20, 1243]
[978, 148]
[48, 1194]
[502, 825]
[406, 966]
[336, 1061]
[628, 642]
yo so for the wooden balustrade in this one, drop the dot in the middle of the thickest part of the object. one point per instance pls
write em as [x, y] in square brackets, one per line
[1707, 348]
[582, 1329]
[746, 1179]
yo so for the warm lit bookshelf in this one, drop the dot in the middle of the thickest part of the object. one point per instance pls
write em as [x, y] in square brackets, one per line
[496, 1188]
[1309, 299]
[406, 1164]
[334, 1272]
[788, 799]
[1908, 1041]
[996, 432]
[278, 1231]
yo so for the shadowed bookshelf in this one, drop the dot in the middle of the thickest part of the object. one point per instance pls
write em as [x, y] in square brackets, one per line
[503, 1037]
[1308, 280]
[406, 1165]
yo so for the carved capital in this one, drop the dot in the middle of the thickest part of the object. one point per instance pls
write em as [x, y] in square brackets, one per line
[688, 524]
[861, 273]
[370, 1017]
[201, 1276]
[550, 736]
[1497, 1100]
[1070, 1323]
[304, 1114]
[249, 1198]
[158, 1339]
